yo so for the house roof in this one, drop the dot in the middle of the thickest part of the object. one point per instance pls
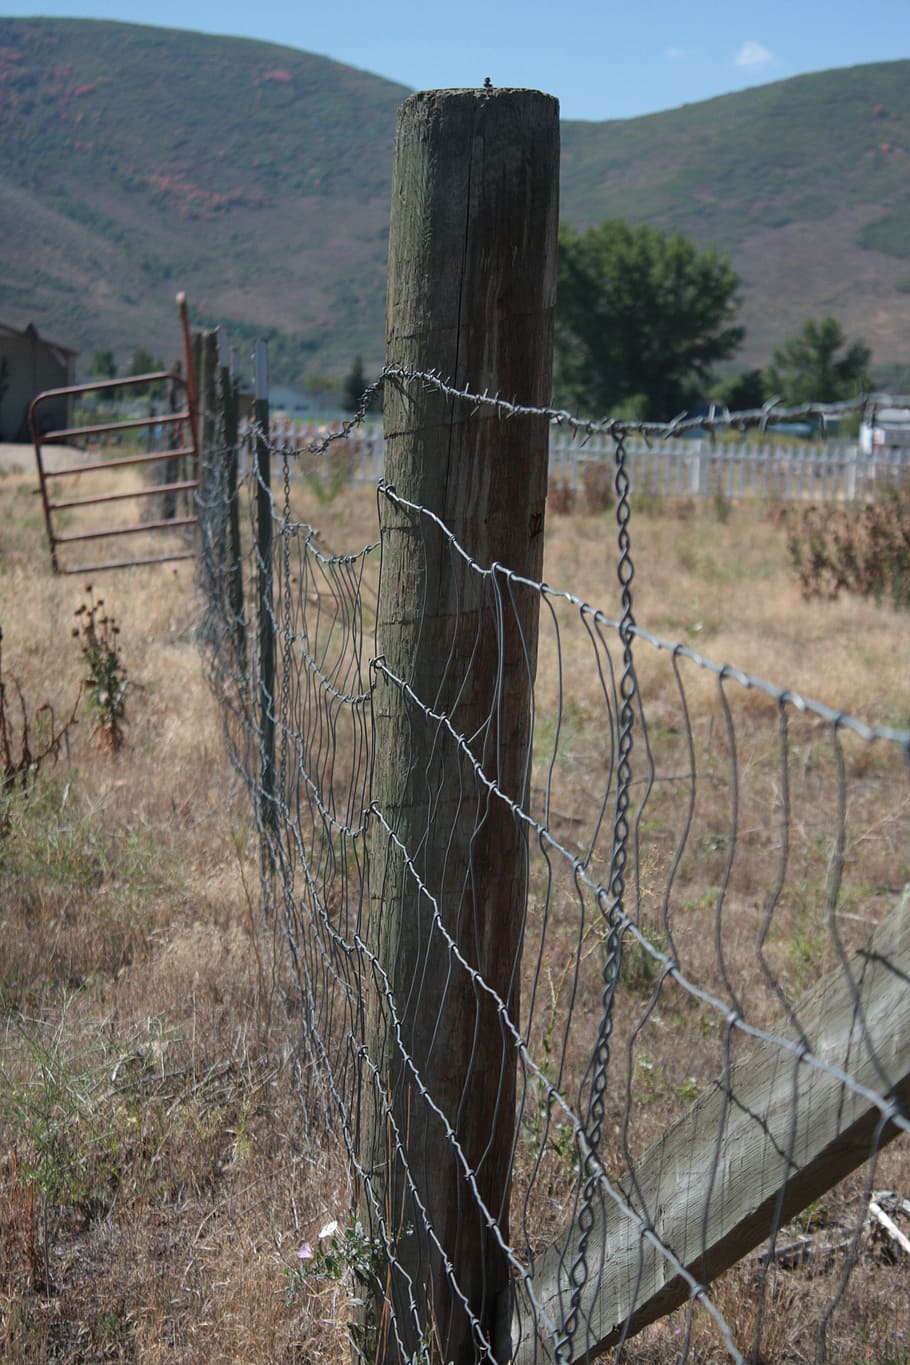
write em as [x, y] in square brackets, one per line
[31, 332]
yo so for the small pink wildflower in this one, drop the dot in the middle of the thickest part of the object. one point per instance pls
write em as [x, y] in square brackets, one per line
[305, 1253]
[329, 1229]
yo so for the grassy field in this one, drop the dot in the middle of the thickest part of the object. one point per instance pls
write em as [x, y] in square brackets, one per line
[157, 1177]
[158, 1171]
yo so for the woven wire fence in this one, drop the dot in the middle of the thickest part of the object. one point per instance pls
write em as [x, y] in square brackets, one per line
[700, 1045]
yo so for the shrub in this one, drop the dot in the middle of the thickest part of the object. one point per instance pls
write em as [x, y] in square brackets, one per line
[24, 744]
[106, 683]
[862, 550]
[597, 482]
[560, 498]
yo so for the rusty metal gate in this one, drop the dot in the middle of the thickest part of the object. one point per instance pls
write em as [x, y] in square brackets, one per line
[171, 448]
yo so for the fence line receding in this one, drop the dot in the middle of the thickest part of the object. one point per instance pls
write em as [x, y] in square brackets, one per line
[696, 1024]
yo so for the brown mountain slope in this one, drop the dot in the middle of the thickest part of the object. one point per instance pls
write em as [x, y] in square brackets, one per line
[138, 161]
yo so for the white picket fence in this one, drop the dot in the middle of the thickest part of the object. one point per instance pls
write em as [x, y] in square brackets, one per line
[696, 469]
[680, 468]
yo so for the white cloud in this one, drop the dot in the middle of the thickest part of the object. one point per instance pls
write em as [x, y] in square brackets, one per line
[674, 54]
[753, 54]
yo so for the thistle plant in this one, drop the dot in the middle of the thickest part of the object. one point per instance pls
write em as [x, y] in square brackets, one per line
[106, 684]
[25, 746]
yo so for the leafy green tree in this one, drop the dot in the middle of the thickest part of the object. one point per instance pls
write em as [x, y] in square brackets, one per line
[144, 363]
[808, 368]
[103, 366]
[641, 318]
[743, 392]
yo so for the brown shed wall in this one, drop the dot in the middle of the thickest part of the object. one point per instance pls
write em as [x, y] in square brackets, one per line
[28, 366]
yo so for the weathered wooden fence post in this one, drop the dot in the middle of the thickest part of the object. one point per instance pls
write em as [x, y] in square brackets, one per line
[264, 578]
[471, 293]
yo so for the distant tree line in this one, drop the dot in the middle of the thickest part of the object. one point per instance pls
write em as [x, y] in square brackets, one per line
[643, 318]
[103, 366]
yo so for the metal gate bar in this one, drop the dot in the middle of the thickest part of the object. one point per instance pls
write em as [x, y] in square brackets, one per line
[166, 525]
[131, 563]
[128, 424]
[131, 493]
[120, 462]
[178, 423]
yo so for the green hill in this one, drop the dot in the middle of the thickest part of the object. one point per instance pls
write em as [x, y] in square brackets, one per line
[138, 161]
[805, 183]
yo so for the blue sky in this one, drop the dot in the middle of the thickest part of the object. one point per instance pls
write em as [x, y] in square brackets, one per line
[601, 58]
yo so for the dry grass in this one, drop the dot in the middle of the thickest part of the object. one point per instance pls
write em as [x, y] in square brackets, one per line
[754, 920]
[157, 1168]
[160, 1165]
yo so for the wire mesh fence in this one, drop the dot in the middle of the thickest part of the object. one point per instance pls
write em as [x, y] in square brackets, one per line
[597, 1103]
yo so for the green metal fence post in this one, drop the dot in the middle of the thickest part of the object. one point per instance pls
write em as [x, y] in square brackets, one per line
[234, 565]
[264, 577]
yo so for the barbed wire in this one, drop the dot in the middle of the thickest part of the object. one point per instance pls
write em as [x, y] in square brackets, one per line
[738, 854]
[718, 417]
